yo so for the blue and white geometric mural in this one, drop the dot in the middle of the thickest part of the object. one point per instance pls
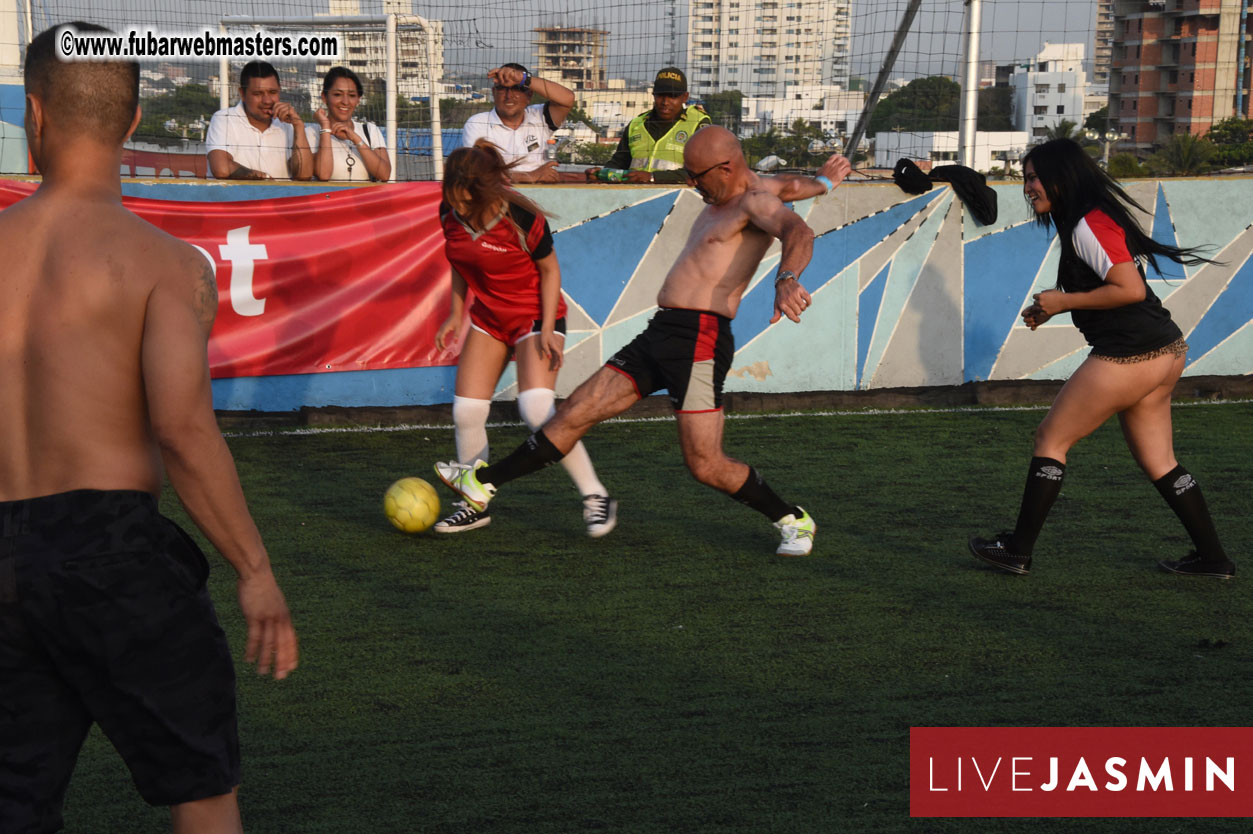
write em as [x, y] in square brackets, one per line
[907, 291]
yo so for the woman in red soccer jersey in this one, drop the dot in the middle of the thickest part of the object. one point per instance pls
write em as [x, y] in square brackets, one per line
[500, 247]
[1137, 354]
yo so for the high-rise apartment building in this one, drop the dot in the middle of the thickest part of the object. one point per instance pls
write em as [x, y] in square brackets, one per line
[572, 56]
[366, 52]
[1102, 42]
[1049, 90]
[1176, 67]
[767, 48]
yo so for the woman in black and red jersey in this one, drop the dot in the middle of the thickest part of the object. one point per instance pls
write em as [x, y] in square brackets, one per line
[1137, 354]
[500, 247]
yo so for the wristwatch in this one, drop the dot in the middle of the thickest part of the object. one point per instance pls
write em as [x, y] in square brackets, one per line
[784, 274]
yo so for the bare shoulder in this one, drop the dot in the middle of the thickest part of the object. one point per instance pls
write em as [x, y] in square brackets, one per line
[180, 269]
[759, 201]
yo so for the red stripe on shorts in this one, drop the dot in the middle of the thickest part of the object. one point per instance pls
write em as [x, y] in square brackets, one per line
[707, 339]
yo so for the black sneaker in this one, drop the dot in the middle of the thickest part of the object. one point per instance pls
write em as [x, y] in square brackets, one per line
[600, 514]
[996, 552]
[1194, 565]
[466, 518]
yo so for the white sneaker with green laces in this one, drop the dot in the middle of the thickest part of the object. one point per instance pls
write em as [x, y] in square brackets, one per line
[798, 534]
[461, 479]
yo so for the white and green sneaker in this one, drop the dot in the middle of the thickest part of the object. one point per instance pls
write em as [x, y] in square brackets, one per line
[461, 479]
[798, 534]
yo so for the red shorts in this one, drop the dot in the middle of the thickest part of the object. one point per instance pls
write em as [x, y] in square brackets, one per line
[509, 329]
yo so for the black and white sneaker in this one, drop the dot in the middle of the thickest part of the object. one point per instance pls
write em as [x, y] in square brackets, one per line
[1194, 565]
[600, 513]
[996, 552]
[465, 518]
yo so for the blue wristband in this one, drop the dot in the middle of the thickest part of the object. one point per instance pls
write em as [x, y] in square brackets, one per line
[826, 182]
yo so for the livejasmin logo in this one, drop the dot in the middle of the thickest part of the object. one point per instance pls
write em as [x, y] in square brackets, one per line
[1080, 771]
[1020, 772]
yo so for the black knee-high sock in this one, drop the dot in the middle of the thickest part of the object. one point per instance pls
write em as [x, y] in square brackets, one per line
[1044, 482]
[1183, 494]
[756, 493]
[536, 452]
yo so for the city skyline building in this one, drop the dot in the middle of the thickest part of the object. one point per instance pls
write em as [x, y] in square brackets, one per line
[1050, 90]
[767, 48]
[570, 55]
[366, 53]
[1103, 42]
[1177, 68]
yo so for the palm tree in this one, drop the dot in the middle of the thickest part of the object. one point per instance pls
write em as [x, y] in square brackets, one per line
[1184, 155]
[1065, 129]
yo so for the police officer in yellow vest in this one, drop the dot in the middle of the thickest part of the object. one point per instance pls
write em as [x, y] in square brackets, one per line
[652, 144]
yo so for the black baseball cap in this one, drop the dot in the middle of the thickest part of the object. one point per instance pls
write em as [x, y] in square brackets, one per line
[670, 81]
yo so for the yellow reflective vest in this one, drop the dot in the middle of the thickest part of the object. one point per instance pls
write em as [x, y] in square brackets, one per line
[666, 153]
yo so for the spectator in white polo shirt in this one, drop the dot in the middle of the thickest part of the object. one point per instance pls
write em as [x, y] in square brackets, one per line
[261, 138]
[521, 130]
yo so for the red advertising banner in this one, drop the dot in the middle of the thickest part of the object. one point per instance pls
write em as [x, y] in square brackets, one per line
[338, 281]
[1081, 771]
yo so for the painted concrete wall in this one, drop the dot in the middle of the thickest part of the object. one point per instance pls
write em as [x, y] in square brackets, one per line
[908, 291]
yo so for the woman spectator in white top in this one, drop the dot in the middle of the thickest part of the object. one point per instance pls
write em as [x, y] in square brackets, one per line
[353, 150]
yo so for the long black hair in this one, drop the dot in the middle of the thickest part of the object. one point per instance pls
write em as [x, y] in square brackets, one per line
[1075, 185]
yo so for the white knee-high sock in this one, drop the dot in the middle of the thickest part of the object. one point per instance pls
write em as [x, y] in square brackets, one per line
[536, 405]
[469, 417]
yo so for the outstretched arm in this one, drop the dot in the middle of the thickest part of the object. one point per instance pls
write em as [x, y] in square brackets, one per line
[792, 187]
[180, 314]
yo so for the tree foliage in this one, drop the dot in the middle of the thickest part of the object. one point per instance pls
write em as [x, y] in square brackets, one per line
[791, 145]
[1233, 142]
[1184, 155]
[587, 153]
[1065, 129]
[924, 104]
[1124, 166]
[1098, 120]
[577, 114]
[994, 109]
[186, 104]
[724, 109]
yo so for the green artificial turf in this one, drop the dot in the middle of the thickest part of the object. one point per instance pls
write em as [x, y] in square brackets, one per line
[676, 676]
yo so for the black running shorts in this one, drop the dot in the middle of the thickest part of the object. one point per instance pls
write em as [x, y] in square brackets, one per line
[104, 617]
[687, 352]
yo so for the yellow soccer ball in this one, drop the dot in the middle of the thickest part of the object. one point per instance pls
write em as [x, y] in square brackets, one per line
[411, 505]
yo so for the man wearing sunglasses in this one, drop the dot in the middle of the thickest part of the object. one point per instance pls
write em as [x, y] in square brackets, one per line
[687, 347]
[520, 129]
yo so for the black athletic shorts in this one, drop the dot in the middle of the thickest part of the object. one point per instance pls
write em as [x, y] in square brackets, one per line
[104, 618]
[687, 352]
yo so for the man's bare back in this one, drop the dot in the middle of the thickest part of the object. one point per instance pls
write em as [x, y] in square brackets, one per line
[103, 367]
[77, 286]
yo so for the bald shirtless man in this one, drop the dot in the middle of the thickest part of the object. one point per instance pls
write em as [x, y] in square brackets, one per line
[687, 346]
[104, 616]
